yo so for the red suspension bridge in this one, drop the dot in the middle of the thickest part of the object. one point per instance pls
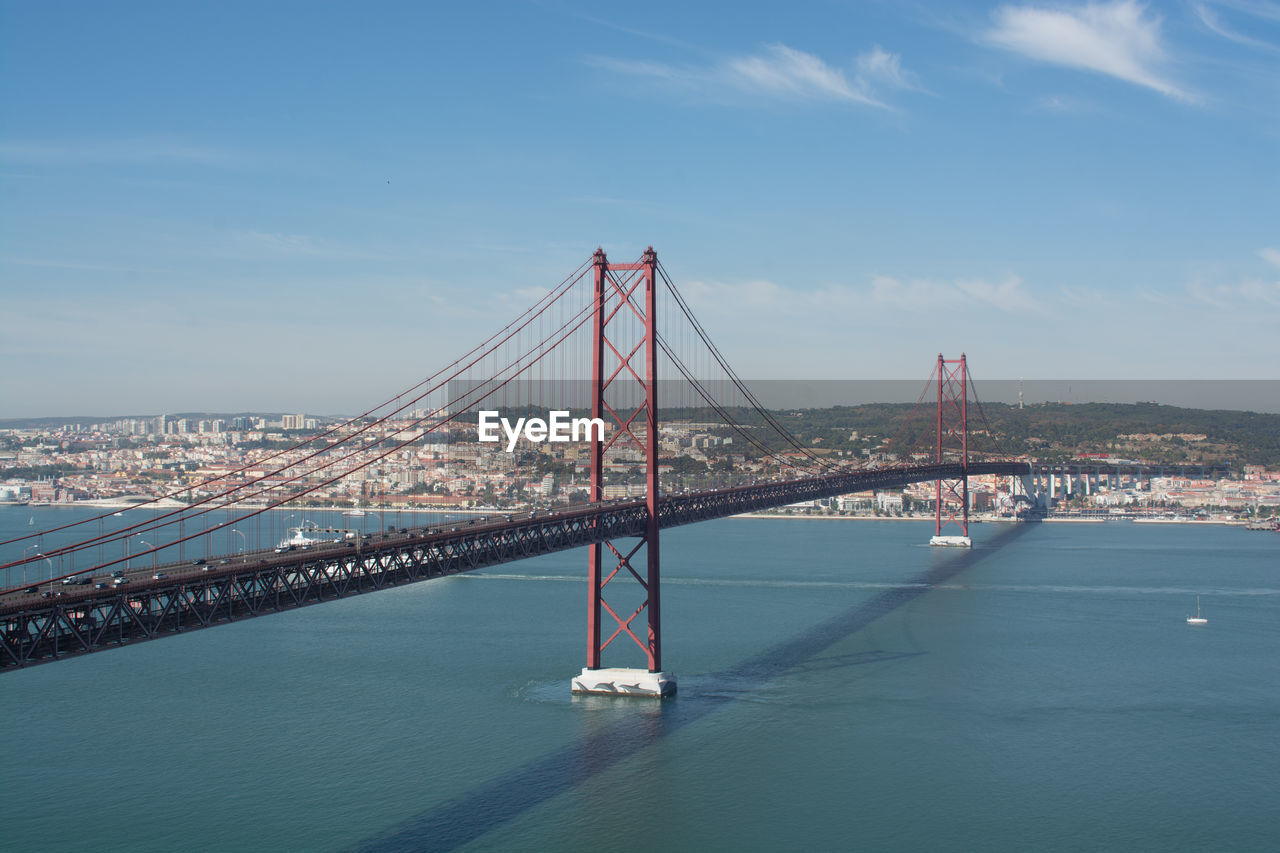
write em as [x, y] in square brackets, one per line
[614, 343]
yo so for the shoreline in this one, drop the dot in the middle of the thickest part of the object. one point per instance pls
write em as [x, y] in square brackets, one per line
[830, 517]
[929, 519]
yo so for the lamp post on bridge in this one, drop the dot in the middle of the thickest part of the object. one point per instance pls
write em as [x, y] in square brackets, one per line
[153, 552]
[43, 557]
[24, 564]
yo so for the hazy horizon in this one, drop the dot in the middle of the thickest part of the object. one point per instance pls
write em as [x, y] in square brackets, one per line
[1262, 396]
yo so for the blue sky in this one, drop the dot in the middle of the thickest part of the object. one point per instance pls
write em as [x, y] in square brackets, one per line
[305, 206]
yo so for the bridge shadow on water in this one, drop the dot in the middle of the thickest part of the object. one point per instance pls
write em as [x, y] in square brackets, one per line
[471, 815]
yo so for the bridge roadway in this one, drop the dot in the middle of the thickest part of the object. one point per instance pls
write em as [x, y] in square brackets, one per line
[76, 619]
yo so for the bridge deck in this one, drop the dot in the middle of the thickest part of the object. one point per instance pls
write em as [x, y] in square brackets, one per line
[82, 619]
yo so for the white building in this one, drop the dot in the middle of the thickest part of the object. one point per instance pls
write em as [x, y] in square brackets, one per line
[888, 502]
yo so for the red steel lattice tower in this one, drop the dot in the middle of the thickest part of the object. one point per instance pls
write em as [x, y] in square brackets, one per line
[625, 295]
[953, 426]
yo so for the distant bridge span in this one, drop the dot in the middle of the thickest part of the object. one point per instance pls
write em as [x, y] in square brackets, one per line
[84, 619]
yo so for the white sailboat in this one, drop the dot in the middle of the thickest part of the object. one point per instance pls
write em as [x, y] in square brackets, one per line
[1199, 618]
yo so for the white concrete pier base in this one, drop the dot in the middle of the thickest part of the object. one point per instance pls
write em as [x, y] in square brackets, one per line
[625, 682]
[951, 541]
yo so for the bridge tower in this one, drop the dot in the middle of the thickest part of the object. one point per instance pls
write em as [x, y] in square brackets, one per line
[953, 428]
[618, 312]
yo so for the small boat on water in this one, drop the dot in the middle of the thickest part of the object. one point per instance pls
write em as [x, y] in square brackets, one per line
[1198, 619]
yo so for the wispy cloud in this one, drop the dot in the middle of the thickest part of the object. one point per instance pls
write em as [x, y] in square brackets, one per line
[639, 33]
[1243, 296]
[1212, 22]
[788, 73]
[1118, 39]
[780, 73]
[120, 151]
[683, 76]
[1248, 297]
[1006, 295]
[879, 66]
[1266, 10]
[1064, 104]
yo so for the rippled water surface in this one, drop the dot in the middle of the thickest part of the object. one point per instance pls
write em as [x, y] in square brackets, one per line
[841, 685]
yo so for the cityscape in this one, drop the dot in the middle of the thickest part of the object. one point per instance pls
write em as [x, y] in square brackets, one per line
[129, 460]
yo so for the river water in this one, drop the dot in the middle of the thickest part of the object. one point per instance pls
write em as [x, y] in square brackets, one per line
[842, 685]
